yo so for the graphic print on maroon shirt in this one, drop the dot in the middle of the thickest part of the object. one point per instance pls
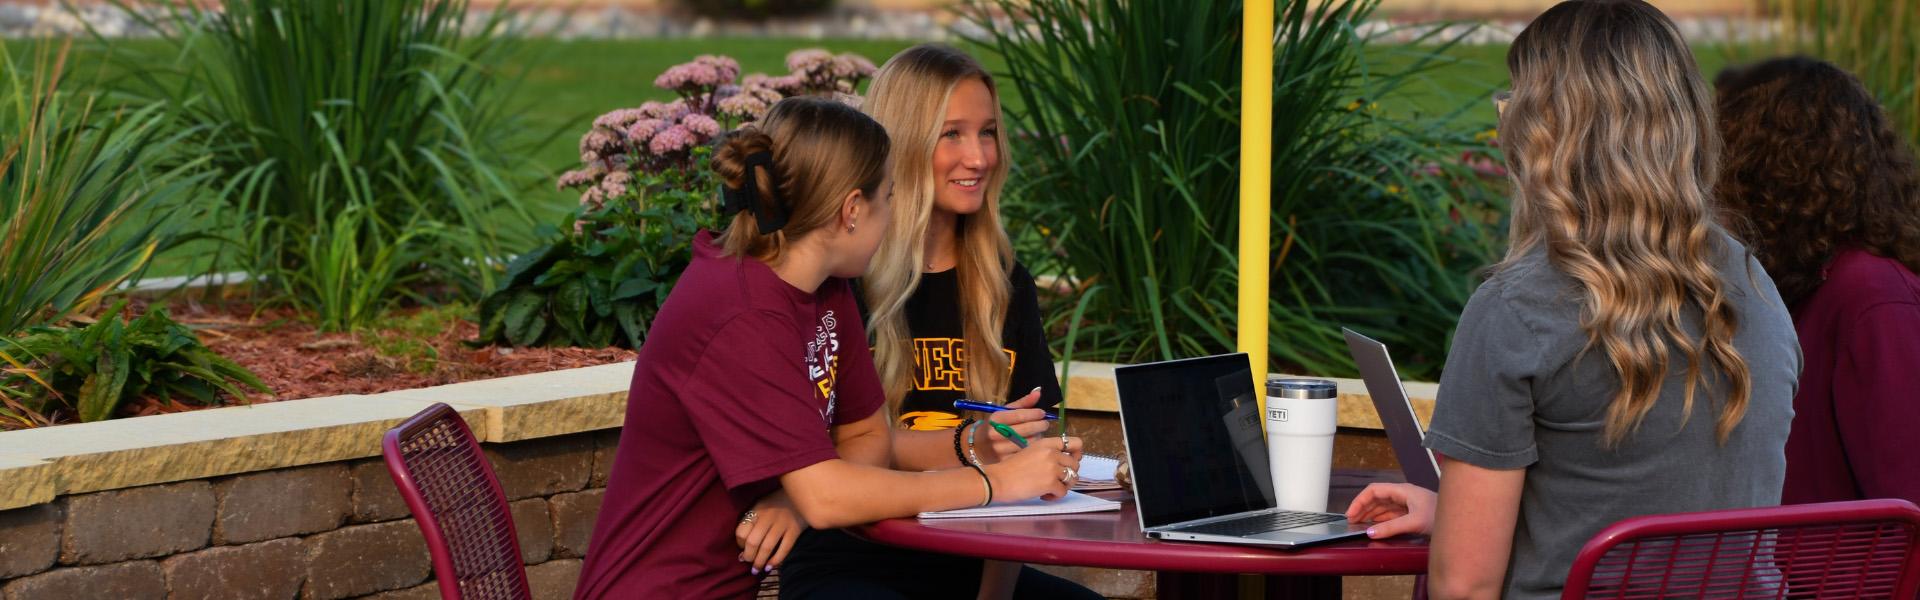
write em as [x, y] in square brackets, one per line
[737, 369]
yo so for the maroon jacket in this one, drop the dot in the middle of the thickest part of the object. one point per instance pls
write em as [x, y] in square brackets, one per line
[1858, 406]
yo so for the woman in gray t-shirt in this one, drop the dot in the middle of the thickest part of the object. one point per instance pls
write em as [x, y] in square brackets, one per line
[1627, 357]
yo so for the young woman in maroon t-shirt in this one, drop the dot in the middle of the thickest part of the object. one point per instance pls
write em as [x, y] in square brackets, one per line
[753, 411]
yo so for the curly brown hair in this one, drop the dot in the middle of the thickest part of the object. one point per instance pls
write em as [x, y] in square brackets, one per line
[1812, 165]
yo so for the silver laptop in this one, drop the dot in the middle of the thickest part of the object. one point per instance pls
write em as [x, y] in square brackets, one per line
[1199, 460]
[1396, 411]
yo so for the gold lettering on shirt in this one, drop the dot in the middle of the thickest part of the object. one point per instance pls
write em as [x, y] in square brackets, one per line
[831, 378]
[941, 364]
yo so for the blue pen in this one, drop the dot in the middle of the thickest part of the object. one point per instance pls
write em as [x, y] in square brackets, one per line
[990, 408]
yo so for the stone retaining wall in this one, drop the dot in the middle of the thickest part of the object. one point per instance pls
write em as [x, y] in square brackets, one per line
[320, 532]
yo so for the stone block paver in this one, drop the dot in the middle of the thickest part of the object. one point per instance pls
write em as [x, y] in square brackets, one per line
[542, 467]
[573, 518]
[142, 522]
[281, 503]
[533, 524]
[365, 559]
[137, 580]
[271, 570]
[29, 539]
[554, 580]
[374, 496]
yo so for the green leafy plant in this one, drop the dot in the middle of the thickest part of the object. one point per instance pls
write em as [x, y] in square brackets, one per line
[384, 121]
[601, 283]
[87, 372]
[1127, 174]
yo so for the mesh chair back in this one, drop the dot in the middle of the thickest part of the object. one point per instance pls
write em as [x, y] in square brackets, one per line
[1859, 549]
[456, 499]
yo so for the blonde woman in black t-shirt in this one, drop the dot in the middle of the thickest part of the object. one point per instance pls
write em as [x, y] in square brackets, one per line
[942, 286]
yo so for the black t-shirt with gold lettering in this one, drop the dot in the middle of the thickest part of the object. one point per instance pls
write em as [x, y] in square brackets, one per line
[940, 350]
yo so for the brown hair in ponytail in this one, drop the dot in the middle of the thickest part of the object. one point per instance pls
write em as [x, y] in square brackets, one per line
[821, 149]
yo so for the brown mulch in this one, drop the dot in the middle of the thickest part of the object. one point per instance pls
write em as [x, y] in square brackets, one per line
[297, 361]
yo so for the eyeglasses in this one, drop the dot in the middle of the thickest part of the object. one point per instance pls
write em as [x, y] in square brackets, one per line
[1500, 100]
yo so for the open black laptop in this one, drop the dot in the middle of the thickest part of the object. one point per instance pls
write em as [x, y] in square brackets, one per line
[1199, 460]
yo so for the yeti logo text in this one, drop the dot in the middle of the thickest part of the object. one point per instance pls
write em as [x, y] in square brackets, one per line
[1277, 414]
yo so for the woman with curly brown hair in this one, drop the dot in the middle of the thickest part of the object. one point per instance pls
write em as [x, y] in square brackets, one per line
[1832, 199]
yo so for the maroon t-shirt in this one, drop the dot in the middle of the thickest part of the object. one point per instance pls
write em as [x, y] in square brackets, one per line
[1859, 402]
[738, 382]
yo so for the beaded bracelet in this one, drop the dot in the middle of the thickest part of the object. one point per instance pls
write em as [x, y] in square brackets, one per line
[985, 480]
[970, 452]
[959, 432]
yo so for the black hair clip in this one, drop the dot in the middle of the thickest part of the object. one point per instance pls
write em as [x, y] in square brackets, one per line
[764, 204]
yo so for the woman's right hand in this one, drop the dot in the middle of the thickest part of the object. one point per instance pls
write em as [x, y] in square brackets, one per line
[1394, 509]
[1038, 471]
[1026, 420]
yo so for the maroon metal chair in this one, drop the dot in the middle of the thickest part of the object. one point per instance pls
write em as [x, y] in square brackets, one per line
[1858, 549]
[456, 499]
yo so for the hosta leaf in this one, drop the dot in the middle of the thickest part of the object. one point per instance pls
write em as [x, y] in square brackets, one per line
[632, 324]
[570, 311]
[634, 288]
[527, 266]
[526, 318]
[101, 394]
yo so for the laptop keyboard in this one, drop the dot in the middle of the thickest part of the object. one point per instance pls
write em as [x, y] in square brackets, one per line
[1262, 523]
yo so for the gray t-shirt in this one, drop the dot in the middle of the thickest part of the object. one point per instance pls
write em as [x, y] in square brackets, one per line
[1519, 393]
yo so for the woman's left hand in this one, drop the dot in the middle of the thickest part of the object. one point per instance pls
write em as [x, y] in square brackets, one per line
[1394, 509]
[767, 532]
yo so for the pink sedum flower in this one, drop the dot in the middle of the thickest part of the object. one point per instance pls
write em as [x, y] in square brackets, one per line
[806, 59]
[619, 118]
[673, 139]
[701, 125]
[640, 131]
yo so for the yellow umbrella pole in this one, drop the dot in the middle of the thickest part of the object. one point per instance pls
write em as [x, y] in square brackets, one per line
[1256, 162]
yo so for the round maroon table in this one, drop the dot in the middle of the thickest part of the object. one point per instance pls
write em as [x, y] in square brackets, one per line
[1113, 540]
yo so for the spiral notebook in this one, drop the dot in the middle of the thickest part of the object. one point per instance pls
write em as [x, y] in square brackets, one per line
[1097, 473]
[1074, 502]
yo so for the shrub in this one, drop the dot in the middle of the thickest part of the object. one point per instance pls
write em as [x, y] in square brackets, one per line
[383, 122]
[1126, 170]
[646, 190]
[87, 372]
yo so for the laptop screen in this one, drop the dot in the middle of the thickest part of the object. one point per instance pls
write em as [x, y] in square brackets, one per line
[1193, 439]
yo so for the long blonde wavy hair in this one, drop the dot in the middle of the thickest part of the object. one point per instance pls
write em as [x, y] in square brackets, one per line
[909, 96]
[1611, 143]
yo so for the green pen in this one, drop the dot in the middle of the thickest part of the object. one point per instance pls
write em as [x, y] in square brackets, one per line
[1009, 433]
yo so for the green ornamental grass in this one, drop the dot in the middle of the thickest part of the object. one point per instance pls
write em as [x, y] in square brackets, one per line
[1125, 181]
[384, 123]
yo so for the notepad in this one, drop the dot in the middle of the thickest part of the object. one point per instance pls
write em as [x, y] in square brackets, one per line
[1075, 502]
[1097, 473]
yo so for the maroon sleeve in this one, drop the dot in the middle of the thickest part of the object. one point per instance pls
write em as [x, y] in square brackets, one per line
[752, 404]
[1875, 402]
[858, 384]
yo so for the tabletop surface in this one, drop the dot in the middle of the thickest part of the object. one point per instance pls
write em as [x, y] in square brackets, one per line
[1113, 540]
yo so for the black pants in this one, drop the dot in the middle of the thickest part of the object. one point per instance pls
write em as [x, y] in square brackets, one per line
[834, 564]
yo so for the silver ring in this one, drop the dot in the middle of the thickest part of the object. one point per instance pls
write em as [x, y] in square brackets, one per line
[748, 518]
[1067, 477]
